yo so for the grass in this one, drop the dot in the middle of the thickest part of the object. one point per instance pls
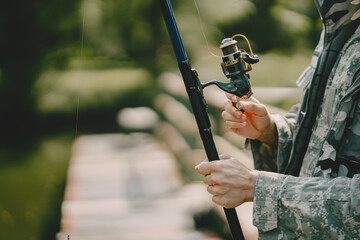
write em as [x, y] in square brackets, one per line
[31, 185]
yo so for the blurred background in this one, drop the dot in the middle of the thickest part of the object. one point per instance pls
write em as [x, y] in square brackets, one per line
[70, 68]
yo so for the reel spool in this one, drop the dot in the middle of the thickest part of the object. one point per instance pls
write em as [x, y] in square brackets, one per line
[236, 64]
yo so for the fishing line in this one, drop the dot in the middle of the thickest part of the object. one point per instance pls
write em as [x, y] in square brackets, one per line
[77, 116]
[81, 66]
[203, 32]
[78, 96]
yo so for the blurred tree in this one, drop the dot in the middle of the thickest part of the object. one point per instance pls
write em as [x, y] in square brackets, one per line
[126, 30]
[277, 24]
[37, 34]
[29, 30]
[305, 8]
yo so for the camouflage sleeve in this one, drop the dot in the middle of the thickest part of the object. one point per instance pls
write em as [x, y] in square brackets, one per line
[287, 207]
[275, 159]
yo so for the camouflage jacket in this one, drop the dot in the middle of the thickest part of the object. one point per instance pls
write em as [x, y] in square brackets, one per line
[324, 201]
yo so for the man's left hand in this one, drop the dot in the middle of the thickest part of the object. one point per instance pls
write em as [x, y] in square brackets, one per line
[229, 181]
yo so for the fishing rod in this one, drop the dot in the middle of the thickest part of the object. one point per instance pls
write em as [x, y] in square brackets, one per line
[235, 64]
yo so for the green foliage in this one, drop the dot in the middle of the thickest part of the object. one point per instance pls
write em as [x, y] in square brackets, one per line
[306, 9]
[133, 29]
[31, 184]
[212, 222]
[277, 24]
[29, 30]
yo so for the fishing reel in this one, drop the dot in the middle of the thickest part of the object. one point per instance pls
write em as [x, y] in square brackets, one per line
[235, 64]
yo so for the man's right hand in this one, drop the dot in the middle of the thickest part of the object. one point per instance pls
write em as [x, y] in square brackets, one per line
[254, 123]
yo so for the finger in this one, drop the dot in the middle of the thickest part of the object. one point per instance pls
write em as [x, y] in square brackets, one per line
[216, 190]
[207, 180]
[205, 160]
[251, 99]
[204, 168]
[256, 108]
[230, 96]
[228, 117]
[212, 180]
[229, 107]
[232, 124]
[210, 189]
[219, 200]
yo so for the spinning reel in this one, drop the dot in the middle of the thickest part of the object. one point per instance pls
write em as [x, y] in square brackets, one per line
[235, 64]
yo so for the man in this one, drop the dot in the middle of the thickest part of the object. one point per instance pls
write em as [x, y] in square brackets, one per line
[315, 148]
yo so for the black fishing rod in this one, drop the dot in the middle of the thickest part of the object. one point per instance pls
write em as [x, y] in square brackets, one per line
[235, 65]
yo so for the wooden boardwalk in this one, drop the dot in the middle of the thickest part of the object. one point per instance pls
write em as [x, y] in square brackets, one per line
[128, 187]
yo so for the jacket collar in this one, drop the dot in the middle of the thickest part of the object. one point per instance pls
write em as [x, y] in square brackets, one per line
[337, 13]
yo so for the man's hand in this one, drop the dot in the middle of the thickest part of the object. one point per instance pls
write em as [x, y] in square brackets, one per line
[229, 181]
[254, 122]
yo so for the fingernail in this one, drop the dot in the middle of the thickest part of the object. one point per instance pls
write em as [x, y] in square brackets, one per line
[238, 114]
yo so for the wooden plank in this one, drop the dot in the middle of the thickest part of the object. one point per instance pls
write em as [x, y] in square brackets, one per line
[128, 187]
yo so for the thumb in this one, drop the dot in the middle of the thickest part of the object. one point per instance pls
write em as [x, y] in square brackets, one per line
[225, 156]
[252, 107]
[204, 168]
